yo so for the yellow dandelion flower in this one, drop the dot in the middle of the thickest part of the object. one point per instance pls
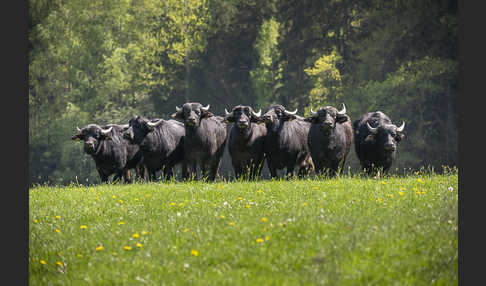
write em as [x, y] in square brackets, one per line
[232, 223]
[379, 200]
[139, 245]
[99, 248]
[214, 205]
[127, 247]
[390, 195]
[264, 219]
[136, 235]
[121, 201]
[43, 261]
[259, 191]
[83, 227]
[267, 237]
[120, 223]
[113, 196]
[57, 230]
[144, 232]
[194, 252]
[383, 182]
[36, 221]
[79, 255]
[240, 198]
[304, 204]
[221, 216]
[136, 199]
[419, 180]
[247, 206]
[186, 230]
[172, 204]
[400, 193]
[58, 217]
[403, 189]
[59, 263]
[259, 240]
[181, 204]
[114, 253]
[316, 188]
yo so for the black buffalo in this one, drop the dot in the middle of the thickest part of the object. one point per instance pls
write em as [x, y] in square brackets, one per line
[286, 141]
[246, 141]
[112, 154]
[330, 138]
[375, 140]
[205, 139]
[161, 142]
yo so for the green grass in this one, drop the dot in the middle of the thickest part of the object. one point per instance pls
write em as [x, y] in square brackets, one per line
[344, 231]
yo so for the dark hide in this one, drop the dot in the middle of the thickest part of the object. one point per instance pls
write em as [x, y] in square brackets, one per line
[330, 138]
[246, 142]
[112, 154]
[162, 145]
[204, 141]
[376, 151]
[286, 142]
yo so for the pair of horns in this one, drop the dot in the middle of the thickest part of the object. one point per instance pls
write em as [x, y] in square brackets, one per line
[341, 112]
[290, 112]
[205, 108]
[153, 124]
[375, 129]
[257, 114]
[103, 131]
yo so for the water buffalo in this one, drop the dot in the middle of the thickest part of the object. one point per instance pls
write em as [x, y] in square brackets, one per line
[375, 140]
[112, 154]
[205, 139]
[245, 143]
[161, 142]
[330, 138]
[286, 141]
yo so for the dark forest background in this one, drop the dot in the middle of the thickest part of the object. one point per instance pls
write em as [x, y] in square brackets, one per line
[106, 61]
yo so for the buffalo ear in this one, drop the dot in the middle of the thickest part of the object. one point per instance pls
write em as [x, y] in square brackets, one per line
[206, 114]
[341, 118]
[177, 115]
[399, 137]
[370, 137]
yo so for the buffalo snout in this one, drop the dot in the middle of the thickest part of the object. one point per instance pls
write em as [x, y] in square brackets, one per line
[390, 147]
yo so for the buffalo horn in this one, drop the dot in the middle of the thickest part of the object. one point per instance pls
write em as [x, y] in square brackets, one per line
[257, 114]
[227, 113]
[343, 111]
[153, 124]
[77, 128]
[106, 131]
[205, 108]
[400, 129]
[313, 113]
[371, 129]
[178, 108]
[291, 113]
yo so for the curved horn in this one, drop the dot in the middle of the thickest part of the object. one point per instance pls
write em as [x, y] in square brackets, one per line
[227, 113]
[291, 113]
[400, 129]
[205, 108]
[77, 128]
[257, 114]
[125, 126]
[178, 108]
[343, 111]
[371, 129]
[153, 124]
[313, 113]
[106, 131]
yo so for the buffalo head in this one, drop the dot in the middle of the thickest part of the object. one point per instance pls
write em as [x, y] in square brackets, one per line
[277, 114]
[386, 135]
[92, 135]
[327, 117]
[139, 127]
[192, 113]
[242, 116]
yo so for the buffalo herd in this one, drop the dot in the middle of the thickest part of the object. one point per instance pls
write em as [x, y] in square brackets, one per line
[195, 137]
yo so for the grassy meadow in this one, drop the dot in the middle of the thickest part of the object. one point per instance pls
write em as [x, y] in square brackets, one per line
[343, 231]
